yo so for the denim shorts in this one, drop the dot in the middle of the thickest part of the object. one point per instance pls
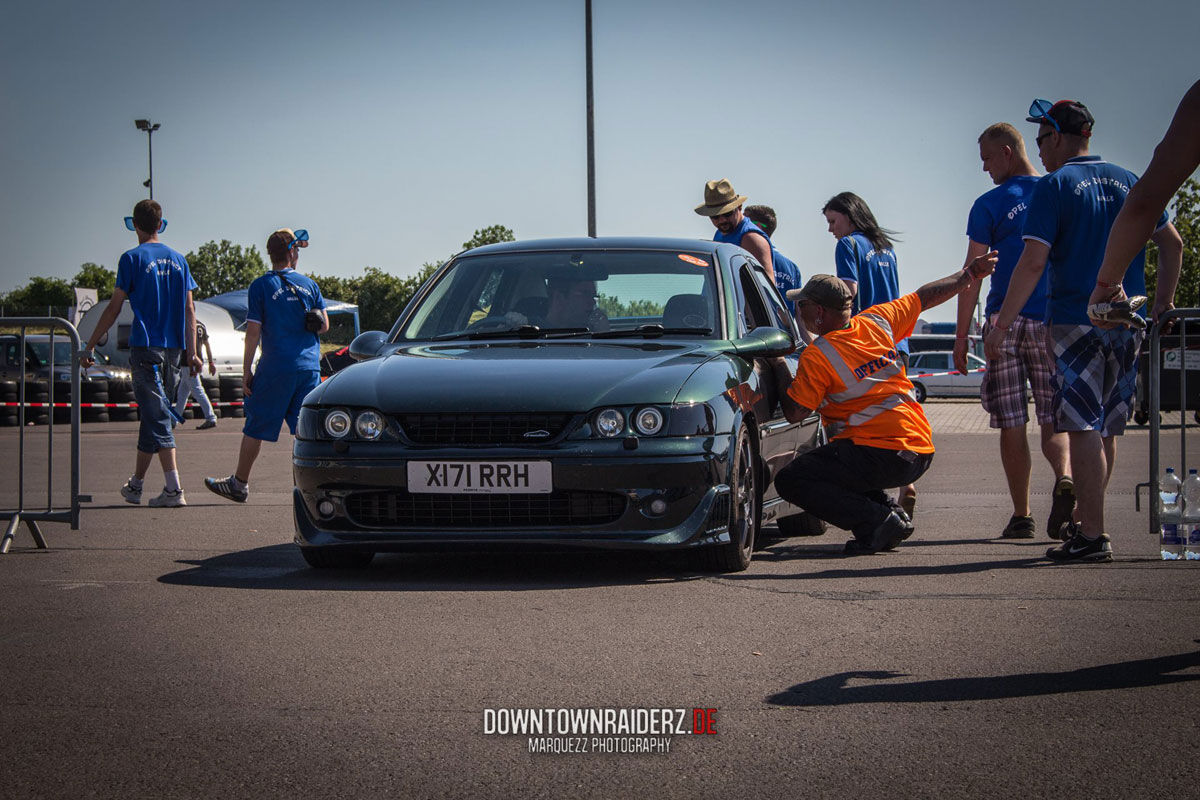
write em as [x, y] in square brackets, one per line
[153, 400]
[276, 397]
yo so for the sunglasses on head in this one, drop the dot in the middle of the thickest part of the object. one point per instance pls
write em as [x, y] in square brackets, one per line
[1040, 110]
[162, 226]
[300, 240]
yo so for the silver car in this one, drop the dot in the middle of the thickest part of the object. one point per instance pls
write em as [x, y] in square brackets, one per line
[933, 375]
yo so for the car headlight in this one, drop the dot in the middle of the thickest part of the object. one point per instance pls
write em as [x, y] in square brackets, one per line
[337, 423]
[368, 425]
[610, 423]
[648, 421]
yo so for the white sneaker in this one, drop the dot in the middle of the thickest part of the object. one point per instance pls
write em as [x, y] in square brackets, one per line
[168, 499]
[131, 494]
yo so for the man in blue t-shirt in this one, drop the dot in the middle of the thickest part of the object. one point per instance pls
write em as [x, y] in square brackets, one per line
[787, 274]
[286, 312]
[1070, 213]
[723, 206]
[995, 223]
[158, 284]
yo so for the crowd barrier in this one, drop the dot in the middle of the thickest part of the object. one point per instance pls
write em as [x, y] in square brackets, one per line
[24, 512]
[1174, 358]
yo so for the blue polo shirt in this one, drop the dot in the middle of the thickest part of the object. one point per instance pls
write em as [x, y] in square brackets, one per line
[997, 220]
[875, 272]
[1071, 211]
[157, 280]
[286, 345]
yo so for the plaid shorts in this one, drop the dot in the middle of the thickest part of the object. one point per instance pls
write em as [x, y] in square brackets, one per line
[1025, 356]
[1097, 374]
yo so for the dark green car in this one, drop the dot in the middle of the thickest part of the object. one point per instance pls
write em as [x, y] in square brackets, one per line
[601, 393]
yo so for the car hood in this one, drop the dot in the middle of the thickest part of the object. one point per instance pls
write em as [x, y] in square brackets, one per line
[516, 376]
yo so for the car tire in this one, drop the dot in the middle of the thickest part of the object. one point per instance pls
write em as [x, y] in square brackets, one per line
[333, 558]
[919, 389]
[745, 514]
[802, 524]
[1141, 417]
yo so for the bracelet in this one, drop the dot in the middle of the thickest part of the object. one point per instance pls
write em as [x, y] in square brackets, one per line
[1000, 327]
[1104, 285]
[962, 337]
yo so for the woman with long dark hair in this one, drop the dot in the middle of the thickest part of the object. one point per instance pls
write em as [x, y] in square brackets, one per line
[866, 262]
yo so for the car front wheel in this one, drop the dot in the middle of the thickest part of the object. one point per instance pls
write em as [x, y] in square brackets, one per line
[745, 514]
[919, 390]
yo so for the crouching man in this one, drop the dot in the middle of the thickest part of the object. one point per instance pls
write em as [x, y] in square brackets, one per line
[880, 437]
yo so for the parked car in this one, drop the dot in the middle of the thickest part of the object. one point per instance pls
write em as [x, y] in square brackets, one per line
[480, 420]
[933, 375]
[39, 366]
[227, 342]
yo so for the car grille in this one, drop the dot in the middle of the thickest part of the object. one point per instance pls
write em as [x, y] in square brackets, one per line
[483, 429]
[399, 509]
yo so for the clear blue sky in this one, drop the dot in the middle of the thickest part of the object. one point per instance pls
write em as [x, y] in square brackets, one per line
[393, 130]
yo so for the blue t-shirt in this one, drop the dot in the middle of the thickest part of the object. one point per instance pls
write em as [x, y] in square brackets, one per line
[788, 276]
[157, 280]
[286, 345]
[997, 220]
[875, 272]
[1071, 211]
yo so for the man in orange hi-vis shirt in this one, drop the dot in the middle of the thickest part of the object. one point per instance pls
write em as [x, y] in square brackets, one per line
[880, 438]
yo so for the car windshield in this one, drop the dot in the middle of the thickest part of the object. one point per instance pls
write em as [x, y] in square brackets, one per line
[569, 294]
[64, 353]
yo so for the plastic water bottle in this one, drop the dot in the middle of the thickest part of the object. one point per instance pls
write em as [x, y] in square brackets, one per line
[1191, 516]
[1170, 516]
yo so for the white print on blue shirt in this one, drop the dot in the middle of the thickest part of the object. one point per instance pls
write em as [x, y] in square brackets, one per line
[1017, 209]
[163, 267]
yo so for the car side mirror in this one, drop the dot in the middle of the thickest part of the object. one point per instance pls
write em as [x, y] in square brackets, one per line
[764, 342]
[367, 345]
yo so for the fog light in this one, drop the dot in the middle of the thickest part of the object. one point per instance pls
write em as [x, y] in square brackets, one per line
[325, 509]
[658, 506]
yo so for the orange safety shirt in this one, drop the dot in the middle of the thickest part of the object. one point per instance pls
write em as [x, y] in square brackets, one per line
[853, 378]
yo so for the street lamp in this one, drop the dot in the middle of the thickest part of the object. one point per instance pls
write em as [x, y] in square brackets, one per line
[145, 125]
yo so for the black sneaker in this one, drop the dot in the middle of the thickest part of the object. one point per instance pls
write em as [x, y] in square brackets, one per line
[1080, 548]
[855, 547]
[1019, 528]
[894, 529]
[1061, 508]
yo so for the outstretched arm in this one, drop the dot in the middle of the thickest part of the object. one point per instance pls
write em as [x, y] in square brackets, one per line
[937, 292]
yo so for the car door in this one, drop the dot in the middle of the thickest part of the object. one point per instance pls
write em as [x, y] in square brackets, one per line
[761, 307]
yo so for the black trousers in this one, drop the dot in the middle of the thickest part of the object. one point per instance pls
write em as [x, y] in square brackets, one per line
[843, 483]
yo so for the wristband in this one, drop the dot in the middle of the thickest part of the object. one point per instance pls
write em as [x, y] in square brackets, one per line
[1104, 285]
[1000, 327]
[962, 337]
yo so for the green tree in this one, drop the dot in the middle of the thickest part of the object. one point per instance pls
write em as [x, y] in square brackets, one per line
[94, 276]
[1186, 216]
[40, 293]
[224, 267]
[490, 235]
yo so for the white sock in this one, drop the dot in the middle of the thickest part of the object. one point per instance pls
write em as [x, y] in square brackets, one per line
[135, 482]
[172, 479]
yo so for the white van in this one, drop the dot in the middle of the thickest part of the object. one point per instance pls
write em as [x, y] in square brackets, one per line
[228, 344]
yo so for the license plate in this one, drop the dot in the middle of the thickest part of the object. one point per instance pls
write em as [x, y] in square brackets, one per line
[479, 477]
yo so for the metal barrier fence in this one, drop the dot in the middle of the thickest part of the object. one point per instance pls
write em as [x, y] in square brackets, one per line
[1154, 383]
[50, 514]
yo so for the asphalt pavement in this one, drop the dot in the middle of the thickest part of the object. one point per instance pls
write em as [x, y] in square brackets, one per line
[190, 652]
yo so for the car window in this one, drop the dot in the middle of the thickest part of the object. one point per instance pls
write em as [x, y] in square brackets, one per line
[753, 311]
[934, 362]
[975, 362]
[580, 293]
[776, 310]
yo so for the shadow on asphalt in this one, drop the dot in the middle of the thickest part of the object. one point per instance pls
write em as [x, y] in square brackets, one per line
[282, 567]
[835, 691]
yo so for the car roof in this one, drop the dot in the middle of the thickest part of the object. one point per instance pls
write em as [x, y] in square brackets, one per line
[600, 243]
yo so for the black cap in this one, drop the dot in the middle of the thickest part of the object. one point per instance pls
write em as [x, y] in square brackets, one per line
[1072, 117]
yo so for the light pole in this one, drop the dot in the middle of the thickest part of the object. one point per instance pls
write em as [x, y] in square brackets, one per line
[145, 125]
[591, 133]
